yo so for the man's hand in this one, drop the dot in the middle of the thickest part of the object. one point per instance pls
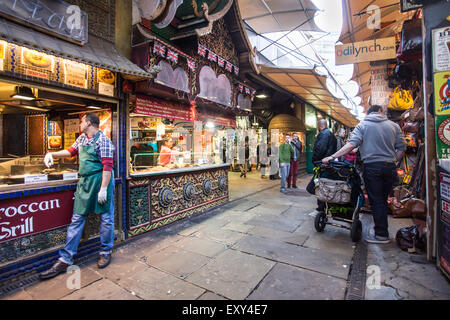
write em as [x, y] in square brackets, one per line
[48, 160]
[102, 195]
[282, 165]
[327, 160]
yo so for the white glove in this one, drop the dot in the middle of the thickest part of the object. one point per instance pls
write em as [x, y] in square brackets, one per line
[48, 160]
[102, 195]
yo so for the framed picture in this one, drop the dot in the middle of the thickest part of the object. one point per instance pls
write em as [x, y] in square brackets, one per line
[408, 5]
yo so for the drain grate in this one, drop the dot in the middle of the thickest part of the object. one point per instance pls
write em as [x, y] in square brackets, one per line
[357, 279]
[15, 285]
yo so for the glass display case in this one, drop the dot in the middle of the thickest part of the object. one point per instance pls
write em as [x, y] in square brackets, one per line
[161, 144]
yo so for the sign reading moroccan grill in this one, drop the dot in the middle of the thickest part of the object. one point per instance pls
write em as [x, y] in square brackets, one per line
[54, 16]
[370, 50]
[30, 215]
[159, 108]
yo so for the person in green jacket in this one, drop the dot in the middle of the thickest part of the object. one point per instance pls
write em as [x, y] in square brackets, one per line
[285, 152]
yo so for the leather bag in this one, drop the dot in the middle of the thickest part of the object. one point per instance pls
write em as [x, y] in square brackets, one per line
[400, 100]
[412, 127]
[409, 239]
[333, 191]
[400, 209]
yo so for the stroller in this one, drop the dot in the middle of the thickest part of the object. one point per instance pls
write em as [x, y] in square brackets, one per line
[338, 185]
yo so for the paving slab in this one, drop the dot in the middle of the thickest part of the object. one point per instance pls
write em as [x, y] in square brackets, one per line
[153, 284]
[62, 285]
[20, 294]
[177, 261]
[321, 242]
[316, 260]
[121, 266]
[269, 209]
[232, 274]
[238, 227]
[275, 222]
[101, 290]
[289, 237]
[211, 296]
[204, 247]
[286, 282]
[228, 237]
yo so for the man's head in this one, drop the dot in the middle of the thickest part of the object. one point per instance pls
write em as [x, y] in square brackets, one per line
[322, 124]
[287, 138]
[375, 108]
[341, 132]
[89, 121]
[295, 136]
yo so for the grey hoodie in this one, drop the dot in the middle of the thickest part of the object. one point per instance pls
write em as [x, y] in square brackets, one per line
[378, 139]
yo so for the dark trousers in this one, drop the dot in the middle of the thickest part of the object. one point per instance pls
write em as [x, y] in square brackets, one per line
[292, 179]
[379, 179]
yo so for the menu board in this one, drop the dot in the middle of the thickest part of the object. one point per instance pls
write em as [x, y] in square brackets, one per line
[36, 63]
[159, 108]
[75, 74]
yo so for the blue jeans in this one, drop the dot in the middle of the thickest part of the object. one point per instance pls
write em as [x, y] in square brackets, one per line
[379, 179]
[75, 231]
[284, 174]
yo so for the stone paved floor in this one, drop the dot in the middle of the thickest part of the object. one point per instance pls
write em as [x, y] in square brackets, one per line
[261, 245]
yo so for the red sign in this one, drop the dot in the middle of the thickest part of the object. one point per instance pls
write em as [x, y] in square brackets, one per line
[153, 107]
[221, 121]
[29, 215]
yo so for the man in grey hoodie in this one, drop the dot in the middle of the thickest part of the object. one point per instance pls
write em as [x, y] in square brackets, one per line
[381, 145]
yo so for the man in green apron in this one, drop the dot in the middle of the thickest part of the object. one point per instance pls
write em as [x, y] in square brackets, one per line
[94, 194]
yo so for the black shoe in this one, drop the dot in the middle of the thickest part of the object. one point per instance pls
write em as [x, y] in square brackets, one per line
[103, 260]
[295, 187]
[57, 268]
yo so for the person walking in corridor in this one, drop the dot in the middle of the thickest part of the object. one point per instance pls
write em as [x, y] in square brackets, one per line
[285, 153]
[94, 194]
[381, 146]
[324, 146]
[340, 140]
[297, 147]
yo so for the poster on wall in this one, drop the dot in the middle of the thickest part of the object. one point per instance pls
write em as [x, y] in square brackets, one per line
[106, 81]
[441, 49]
[443, 137]
[2, 54]
[379, 85]
[42, 61]
[75, 74]
[105, 122]
[442, 93]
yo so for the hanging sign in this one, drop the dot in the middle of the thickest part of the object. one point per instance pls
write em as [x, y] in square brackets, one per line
[442, 93]
[379, 86]
[441, 49]
[56, 17]
[370, 50]
[153, 107]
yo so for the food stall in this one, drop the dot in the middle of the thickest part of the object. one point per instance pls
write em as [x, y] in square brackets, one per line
[47, 83]
[178, 122]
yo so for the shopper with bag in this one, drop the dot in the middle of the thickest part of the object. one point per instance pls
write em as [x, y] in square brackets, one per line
[295, 160]
[381, 145]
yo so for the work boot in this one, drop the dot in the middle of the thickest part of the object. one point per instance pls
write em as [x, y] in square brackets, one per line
[103, 260]
[57, 268]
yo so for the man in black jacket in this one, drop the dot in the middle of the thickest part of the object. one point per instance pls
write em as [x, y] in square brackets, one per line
[324, 146]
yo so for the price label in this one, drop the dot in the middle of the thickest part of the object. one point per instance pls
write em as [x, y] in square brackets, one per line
[70, 176]
[36, 178]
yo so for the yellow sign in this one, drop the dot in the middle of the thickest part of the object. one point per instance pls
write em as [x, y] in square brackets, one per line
[37, 59]
[442, 93]
[370, 50]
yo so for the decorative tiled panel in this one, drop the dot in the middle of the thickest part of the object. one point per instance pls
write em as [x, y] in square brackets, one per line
[139, 205]
[175, 196]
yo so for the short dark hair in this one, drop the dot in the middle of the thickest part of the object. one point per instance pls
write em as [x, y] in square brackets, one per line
[93, 119]
[374, 108]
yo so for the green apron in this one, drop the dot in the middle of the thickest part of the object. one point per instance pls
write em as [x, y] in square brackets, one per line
[91, 174]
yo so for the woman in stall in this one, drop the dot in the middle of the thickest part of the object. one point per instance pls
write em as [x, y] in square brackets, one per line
[166, 156]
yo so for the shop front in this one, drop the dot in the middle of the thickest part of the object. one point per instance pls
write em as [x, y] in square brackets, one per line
[46, 85]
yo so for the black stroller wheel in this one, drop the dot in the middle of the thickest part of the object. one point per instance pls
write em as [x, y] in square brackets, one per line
[356, 231]
[320, 221]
